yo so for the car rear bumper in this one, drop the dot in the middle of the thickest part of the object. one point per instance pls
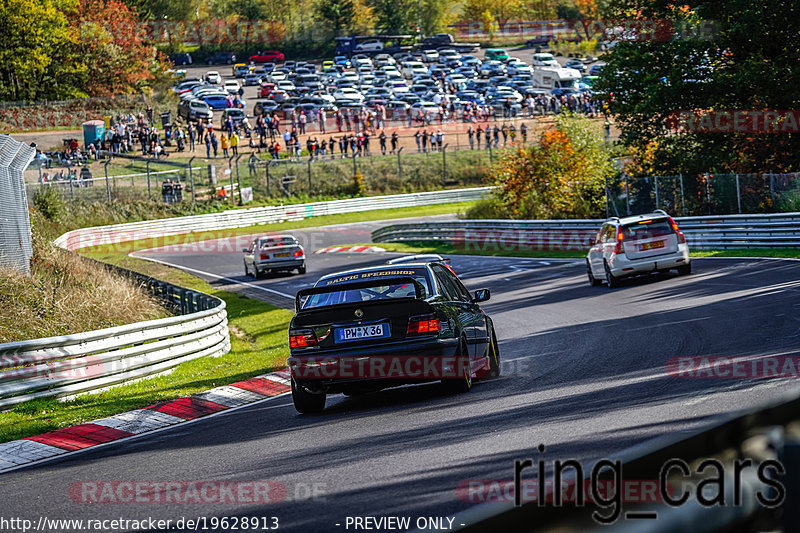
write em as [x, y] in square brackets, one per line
[277, 264]
[621, 266]
[383, 366]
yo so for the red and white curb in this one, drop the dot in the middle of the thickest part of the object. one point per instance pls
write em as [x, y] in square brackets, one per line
[140, 421]
[350, 249]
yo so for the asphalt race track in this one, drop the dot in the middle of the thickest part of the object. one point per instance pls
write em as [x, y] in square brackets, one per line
[584, 373]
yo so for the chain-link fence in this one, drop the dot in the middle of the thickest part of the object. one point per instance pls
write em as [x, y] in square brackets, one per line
[705, 194]
[374, 171]
[15, 228]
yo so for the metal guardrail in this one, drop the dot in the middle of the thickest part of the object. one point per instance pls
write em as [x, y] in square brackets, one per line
[702, 233]
[82, 362]
[238, 218]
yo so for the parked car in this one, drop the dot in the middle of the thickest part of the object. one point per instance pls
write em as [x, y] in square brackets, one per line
[193, 109]
[212, 76]
[495, 54]
[221, 58]
[236, 115]
[181, 59]
[267, 57]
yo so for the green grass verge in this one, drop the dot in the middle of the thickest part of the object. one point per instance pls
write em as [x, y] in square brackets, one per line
[258, 345]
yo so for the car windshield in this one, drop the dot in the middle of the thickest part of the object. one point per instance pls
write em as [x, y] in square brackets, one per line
[647, 229]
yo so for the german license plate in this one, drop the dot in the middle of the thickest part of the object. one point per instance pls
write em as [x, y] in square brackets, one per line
[651, 245]
[357, 333]
[286, 254]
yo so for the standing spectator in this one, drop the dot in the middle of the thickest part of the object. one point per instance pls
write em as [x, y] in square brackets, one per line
[177, 191]
[394, 141]
[523, 130]
[382, 141]
[478, 134]
[425, 141]
[512, 132]
[332, 147]
[323, 117]
[166, 191]
[471, 137]
[417, 137]
[251, 164]
[208, 146]
[504, 131]
[224, 144]
[302, 120]
[235, 143]
[213, 137]
[440, 139]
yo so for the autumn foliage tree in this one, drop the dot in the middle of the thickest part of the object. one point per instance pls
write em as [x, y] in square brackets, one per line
[563, 176]
[113, 47]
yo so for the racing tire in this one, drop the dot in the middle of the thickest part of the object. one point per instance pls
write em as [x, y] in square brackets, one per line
[256, 272]
[494, 357]
[611, 281]
[463, 383]
[685, 270]
[593, 281]
[246, 270]
[305, 402]
[302, 269]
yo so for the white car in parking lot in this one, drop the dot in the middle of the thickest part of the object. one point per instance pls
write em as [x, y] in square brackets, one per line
[430, 55]
[348, 94]
[637, 245]
[212, 76]
[232, 86]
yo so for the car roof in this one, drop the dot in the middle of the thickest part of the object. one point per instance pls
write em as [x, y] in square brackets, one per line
[420, 258]
[657, 214]
[274, 237]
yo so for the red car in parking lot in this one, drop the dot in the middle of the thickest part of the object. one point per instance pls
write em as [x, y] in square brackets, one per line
[266, 89]
[270, 56]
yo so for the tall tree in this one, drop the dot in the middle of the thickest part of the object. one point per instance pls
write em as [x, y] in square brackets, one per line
[338, 14]
[394, 16]
[113, 47]
[37, 50]
[720, 55]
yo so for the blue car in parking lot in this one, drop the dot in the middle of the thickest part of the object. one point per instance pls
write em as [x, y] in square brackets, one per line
[216, 101]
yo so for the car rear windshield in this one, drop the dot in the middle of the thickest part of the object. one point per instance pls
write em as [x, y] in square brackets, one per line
[285, 241]
[377, 292]
[647, 229]
[344, 296]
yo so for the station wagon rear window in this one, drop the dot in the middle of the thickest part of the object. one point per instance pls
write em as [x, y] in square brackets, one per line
[647, 229]
[285, 241]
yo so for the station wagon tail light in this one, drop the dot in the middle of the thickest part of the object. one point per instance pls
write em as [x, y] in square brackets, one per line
[264, 257]
[618, 248]
[679, 233]
[419, 325]
[298, 253]
[302, 338]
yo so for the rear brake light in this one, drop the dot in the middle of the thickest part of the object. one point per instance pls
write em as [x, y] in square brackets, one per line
[264, 257]
[618, 248]
[302, 338]
[418, 325]
[298, 253]
[679, 233]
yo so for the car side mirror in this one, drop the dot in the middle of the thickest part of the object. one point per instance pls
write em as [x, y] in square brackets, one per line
[245, 250]
[481, 295]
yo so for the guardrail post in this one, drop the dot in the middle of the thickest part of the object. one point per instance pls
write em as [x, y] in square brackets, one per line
[149, 193]
[309, 175]
[683, 201]
[399, 164]
[268, 165]
[191, 177]
[738, 195]
[656, 185]
[772, 189]
[238, 180]
[627, 197]
[355, 167]
[108, 187]
[444, 165]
